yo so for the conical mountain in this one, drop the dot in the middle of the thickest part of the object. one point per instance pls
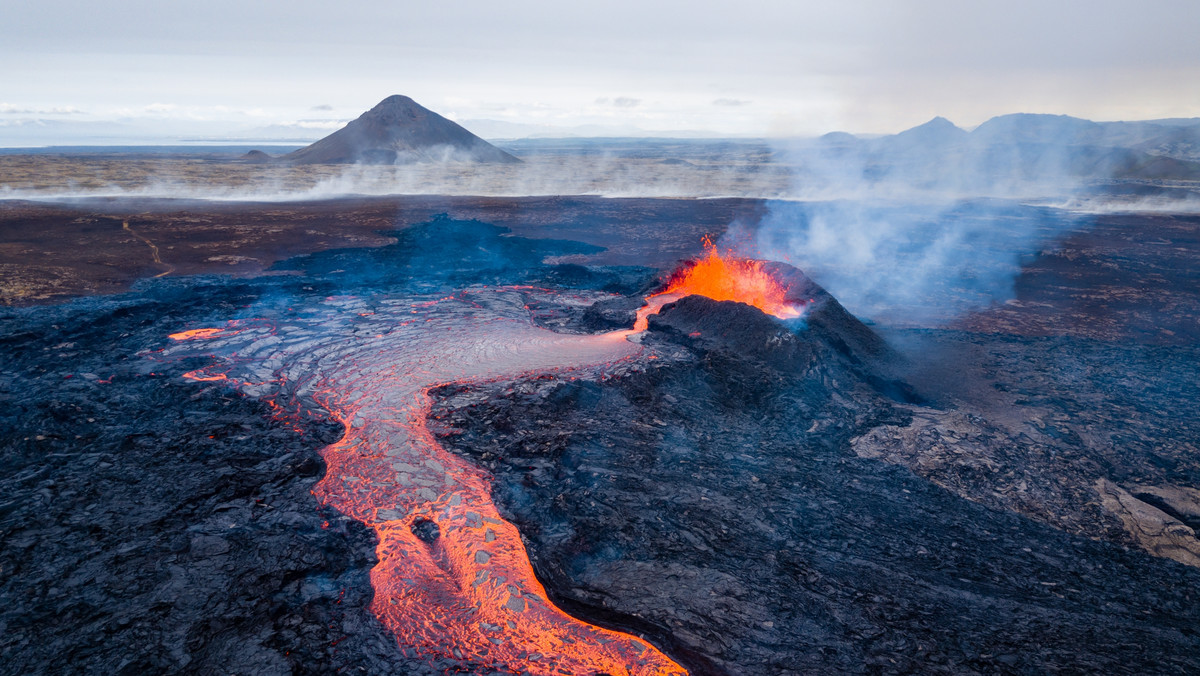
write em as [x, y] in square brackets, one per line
[399, 131]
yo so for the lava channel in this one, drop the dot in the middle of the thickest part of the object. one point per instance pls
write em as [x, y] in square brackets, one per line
[453, 579]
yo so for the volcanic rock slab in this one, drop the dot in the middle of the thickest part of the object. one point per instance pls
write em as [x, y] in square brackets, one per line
[453, 579]
[149, 525]
[155, 524]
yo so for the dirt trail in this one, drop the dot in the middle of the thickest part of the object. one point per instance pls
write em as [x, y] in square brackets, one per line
[153, 250]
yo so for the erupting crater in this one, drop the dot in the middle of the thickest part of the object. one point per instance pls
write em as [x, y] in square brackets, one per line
[724, 277]
[453, 579]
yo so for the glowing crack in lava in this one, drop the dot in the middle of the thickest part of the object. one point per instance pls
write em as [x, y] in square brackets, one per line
[724, 277]
[453, 579]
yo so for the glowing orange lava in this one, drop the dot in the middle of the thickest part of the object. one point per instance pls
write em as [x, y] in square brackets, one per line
[453, 580]
[201, 376]
[204, 334]
[727, 277]
[467, 592]
[195, 334]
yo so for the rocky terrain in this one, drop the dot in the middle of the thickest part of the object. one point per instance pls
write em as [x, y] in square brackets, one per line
[737, 507]
[154, 526]
[1012, 494]
[1118, 277]
[55, 251]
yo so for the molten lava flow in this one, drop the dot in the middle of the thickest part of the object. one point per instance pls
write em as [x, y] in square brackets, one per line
[230, 329]
[725, 277]
[453, 580]
[195, 334]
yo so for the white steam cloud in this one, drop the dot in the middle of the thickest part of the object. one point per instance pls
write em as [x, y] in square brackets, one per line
[905, 262]
[929, 224]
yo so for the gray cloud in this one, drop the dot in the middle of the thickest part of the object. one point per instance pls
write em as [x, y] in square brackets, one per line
[10, 109]
[865, 66]
[733, 103]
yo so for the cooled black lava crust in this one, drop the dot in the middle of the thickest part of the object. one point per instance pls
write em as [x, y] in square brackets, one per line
[715, 499]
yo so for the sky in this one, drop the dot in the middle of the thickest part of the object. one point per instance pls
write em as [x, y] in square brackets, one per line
[302, 68]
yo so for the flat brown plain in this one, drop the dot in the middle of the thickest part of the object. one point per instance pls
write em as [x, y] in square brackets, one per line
[51, 251]
[1121, 277]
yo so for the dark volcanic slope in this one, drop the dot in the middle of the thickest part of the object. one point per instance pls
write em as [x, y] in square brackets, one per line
[397, 131]
[715, 498]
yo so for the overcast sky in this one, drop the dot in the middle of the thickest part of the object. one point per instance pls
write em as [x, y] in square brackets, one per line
[766, 68]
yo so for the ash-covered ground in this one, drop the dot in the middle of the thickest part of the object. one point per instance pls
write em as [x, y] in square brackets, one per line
[761, 498]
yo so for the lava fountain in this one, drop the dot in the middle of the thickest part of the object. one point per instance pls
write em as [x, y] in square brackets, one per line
[724, 277]
[453, 579]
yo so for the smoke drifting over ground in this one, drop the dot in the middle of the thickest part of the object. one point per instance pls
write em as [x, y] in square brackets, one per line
[1051, 159]
[612, 168]
[923, 225]
[935, 221]
[905, 261]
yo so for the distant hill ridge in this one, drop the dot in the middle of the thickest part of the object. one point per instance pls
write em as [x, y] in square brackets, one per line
[1176, 137]
[1006, 152]
[399, 131]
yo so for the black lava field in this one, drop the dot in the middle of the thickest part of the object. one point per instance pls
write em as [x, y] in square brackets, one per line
[727, 492]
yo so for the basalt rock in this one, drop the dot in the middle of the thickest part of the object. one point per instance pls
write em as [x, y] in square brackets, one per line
[748, 498]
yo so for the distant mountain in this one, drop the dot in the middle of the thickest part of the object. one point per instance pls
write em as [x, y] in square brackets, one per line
[840, 139]
[1045, 129]
[937, 137]
[1177, 142]
[399, 131]
[1009, 154]
[938, 131]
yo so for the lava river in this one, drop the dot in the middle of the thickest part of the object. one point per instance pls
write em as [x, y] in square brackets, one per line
[453, 579]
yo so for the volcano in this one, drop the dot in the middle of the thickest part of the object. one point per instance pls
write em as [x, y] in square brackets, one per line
[399, 131]
[452, 573]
